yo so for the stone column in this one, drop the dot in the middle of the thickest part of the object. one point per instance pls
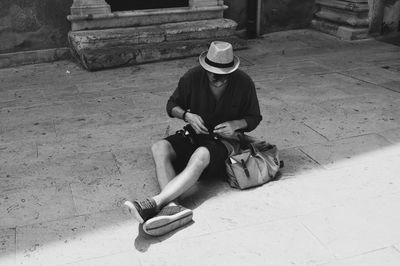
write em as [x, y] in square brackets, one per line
[89, 7]
[346, 19]
[376, 16]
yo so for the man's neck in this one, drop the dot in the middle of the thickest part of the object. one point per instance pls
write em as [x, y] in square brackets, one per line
[218, 91]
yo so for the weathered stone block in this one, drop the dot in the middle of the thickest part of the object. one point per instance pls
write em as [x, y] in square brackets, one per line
[138, 36]
[98, 49]
[93, 39]
[203, 29]
[94, 59]
[347, 20]
[145, 17]
[356, 6]
[351, 18]
[343, 32]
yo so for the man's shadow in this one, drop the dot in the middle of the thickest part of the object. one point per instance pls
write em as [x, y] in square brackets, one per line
[193, 198]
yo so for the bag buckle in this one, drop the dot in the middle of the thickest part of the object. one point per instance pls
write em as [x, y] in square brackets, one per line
[246, 171]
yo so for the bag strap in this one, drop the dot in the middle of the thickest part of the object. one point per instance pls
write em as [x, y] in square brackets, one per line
[246, 171]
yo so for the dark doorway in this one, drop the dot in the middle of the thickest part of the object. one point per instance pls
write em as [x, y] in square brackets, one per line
[124, 5]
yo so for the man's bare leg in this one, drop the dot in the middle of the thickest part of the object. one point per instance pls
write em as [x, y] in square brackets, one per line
[163, 155]
[185, 180]
[171, 217]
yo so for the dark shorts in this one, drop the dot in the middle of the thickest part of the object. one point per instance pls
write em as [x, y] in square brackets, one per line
[184, 150]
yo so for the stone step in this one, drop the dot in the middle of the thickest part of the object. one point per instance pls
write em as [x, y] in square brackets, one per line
[145, 17]
[343, 17]
[98, 49]
[106, 57]
[341, 31]
[190, 30]
[358, 6]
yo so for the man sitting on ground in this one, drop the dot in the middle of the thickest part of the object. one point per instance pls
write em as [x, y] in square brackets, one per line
[217, 100]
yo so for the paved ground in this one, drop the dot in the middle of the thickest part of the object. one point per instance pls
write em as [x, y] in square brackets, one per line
[74, 144]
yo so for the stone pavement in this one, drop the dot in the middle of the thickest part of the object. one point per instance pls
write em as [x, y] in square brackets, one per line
[75, 144]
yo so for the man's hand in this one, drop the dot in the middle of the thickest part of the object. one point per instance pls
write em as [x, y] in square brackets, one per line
[226, 129]
[197, 123]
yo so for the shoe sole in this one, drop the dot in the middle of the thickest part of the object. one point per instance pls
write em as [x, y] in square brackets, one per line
[161, 225]
[132, 210]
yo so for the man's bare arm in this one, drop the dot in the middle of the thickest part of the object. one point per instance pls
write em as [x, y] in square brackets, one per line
[178, 112]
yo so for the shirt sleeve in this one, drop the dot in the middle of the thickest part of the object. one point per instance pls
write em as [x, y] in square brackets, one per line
[251, 109]
[179, 97]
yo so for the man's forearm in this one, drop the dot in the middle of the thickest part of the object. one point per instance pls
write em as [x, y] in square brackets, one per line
[178, 112]
[239, 124]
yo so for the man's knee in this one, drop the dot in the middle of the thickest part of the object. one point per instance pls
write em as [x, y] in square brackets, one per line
[163, 149]
[201, 156]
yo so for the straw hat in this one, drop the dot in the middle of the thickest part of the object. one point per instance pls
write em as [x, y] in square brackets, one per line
[219, 58]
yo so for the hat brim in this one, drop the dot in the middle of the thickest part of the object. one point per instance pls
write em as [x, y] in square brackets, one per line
[217, 70]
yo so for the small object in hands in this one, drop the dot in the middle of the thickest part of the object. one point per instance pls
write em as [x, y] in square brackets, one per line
[188, 133]
[212, 134]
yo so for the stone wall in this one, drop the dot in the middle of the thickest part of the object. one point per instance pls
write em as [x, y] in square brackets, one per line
[33, 24]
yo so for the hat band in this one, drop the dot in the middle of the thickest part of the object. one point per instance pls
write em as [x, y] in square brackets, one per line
[211, 63]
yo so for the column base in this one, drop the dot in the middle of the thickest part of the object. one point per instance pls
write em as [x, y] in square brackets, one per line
[343, 32]
[346, 19]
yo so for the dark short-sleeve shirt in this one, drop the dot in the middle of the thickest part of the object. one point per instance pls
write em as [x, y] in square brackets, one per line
[238, 101]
